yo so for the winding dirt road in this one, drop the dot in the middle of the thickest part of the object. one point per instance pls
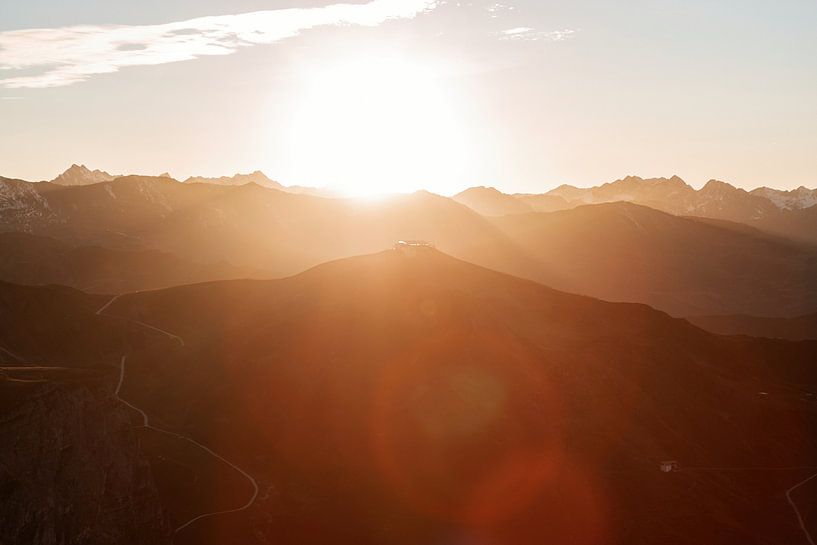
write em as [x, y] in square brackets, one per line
[796, 510]
[146, 423]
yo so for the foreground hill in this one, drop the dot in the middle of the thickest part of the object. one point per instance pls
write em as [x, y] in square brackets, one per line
[29, 259]
[795, 329]
[408, 397]
[55, 325]
[71, 466]
[624, 252]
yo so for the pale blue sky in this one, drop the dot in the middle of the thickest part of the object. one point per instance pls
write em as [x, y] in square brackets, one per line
[702, 89]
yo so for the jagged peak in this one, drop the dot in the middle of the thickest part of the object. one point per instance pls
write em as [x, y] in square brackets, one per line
[714, 184]
[79, 174]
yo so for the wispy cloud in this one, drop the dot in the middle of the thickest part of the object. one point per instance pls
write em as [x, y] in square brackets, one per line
[531, 34]
[68, 55]
[496, 9]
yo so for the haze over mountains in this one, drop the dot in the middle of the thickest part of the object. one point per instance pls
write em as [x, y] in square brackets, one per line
[256, 177]
[789, 213]
[732, 259]
[30, 259]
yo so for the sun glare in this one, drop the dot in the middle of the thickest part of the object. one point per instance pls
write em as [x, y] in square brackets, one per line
[375, 126]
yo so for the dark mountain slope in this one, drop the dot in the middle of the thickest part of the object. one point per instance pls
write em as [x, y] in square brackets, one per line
[408, 397]
[251, 226]
[794, 329]
[54, 325]
[625, 252]
[72, 470]
[33, 260]
[617, 251]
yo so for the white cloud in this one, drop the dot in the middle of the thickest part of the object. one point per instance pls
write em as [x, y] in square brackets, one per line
[63, 56]
[516, 31]
[496, 9]
[530, 34]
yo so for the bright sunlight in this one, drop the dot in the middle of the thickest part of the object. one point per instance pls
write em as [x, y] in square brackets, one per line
[374, 126]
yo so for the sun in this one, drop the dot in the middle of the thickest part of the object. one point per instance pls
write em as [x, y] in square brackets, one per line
[376, 125]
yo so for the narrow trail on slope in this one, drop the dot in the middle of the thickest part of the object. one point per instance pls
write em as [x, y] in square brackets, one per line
[796, 510]
[10, 353]
[146, 423]
[789, 499]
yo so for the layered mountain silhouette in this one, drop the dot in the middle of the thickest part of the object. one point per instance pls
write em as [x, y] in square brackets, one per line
[261, 179]
[617, 251]
[55, 325]
[256, 177]
[29, 259]
[488, 201]
[408, 397]
[625, 252]
[791, 214]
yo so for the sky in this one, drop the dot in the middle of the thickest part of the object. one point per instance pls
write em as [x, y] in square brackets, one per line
[396, 95]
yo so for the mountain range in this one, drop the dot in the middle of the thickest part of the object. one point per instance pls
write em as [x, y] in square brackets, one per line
[617, 251]
[790, 214]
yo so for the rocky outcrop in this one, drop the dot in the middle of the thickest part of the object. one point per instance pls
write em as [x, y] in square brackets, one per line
[71, 469]
[22, 208]
[82, 175]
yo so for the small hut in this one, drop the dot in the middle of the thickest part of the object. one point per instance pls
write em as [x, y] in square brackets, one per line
[668, 466]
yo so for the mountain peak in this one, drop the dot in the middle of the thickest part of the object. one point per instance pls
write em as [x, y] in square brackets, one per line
[489, 201]
[717, 185]
[81, 175]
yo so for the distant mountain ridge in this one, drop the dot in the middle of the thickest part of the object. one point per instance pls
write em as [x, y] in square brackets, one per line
[796, 199]
[716, 199]
[489, 201]
[32, 260]
[616, 251]
[256, 177]
[789, 213]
